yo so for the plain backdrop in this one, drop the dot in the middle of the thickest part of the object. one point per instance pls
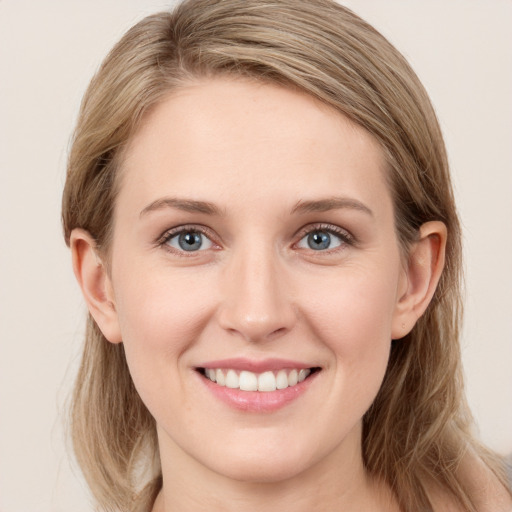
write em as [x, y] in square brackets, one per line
[461, 49]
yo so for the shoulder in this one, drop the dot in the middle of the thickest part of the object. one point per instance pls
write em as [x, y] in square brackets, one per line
[488, 493]
[485, 489]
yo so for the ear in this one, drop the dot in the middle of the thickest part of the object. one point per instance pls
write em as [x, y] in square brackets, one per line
[93, 278]
[424, 267]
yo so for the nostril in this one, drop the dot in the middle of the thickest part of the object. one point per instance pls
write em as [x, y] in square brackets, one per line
[281, 330]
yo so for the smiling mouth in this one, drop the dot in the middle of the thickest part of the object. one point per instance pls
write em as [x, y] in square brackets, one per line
[249, 381]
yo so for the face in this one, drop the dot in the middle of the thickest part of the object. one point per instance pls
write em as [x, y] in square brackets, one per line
[255, 275]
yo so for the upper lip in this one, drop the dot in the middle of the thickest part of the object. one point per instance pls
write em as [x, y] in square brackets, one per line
[255, 366]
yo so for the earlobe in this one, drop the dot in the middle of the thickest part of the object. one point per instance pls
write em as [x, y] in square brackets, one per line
[424, 268]
[94, 281]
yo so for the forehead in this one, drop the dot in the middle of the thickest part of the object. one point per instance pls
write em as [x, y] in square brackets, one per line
[221, 134]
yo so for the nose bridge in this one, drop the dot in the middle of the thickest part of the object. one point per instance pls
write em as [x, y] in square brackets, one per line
[256, 301]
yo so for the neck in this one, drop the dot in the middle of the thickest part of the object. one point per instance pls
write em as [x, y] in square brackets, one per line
[337, 482]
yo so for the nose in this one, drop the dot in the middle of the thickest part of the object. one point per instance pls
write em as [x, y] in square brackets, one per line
[257, 303]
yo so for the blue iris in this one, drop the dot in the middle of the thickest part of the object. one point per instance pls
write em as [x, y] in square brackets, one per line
[190, 241]
[319, 240]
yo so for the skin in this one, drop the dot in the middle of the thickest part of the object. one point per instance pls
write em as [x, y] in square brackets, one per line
[257, 290]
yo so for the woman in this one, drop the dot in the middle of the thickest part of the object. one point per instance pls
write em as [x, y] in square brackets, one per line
[262, 223]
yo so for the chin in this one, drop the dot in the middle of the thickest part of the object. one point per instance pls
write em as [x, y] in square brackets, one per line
[261, 472]
[270, 464]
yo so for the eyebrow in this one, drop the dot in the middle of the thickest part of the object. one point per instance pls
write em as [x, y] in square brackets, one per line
[186, 205]
[331, 203]
[205, 207]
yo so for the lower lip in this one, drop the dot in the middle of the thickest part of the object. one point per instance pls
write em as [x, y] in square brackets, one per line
[258, 401]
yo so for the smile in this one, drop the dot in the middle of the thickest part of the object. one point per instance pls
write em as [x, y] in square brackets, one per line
[257, 386]
[267, 381]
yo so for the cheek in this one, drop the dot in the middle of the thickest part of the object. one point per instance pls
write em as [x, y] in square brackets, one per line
[158, 306]
[353, 318]
[354, 310]
[160, 319]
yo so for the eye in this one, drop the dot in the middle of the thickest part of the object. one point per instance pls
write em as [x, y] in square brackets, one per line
[188, 240]
[323, 239]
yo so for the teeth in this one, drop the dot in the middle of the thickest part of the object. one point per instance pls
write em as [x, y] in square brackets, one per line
[219, 378]
[232, 380]
[303, 374]
[282, 380]
[249, 381]
[267, 382]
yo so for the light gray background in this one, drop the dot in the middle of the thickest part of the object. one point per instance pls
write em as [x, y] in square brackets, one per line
[461, 50]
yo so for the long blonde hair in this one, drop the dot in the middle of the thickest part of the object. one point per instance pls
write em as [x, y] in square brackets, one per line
[418, 428]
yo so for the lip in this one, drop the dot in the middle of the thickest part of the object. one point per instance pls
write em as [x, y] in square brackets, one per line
[265, 365]
[257, 401]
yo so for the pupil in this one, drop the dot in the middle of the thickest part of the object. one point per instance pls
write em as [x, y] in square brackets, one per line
[319, 240]
[190, 241]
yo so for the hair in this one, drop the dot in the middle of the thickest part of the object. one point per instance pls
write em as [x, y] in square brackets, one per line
[418, 430]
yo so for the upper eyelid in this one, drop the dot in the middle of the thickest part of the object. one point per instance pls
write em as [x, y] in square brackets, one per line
[321, 226]
[162, 242]
[172, 232]
[211, 235]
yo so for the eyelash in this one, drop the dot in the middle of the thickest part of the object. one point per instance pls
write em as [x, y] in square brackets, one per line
[163, 241]
[345, 237]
